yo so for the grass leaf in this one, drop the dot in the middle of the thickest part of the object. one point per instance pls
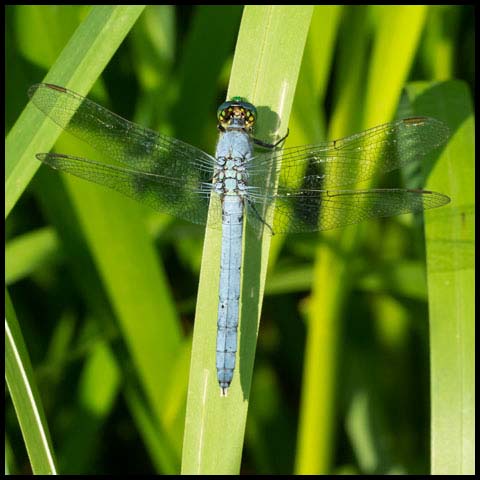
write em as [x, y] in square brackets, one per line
[450, 242]
[22, 388]
[265, 69]
[78, 67]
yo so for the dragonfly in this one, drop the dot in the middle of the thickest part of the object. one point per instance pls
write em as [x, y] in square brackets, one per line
[277, 190]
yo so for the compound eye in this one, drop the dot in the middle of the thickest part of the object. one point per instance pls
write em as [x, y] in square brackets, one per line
[250, 117]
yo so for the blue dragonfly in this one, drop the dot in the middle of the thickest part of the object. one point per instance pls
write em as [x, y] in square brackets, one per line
[289, 190]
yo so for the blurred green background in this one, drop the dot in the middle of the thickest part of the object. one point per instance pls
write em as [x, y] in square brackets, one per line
[103, 301]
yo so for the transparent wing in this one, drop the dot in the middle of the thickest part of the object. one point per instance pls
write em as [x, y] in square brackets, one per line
[157, 170]
[350, 159]
[310, 210]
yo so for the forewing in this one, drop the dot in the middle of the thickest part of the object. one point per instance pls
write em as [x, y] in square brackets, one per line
[118, 139]
[162, 172]
[350, 159]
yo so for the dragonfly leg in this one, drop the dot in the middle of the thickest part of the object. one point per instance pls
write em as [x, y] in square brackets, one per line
[271, 146]
[252, 206]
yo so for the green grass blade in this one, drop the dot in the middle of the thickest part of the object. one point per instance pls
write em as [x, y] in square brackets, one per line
[450, 241]
[265, 70]
[78, 67]
[26, 400]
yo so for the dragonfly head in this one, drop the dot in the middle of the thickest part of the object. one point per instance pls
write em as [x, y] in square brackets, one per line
[237, 112]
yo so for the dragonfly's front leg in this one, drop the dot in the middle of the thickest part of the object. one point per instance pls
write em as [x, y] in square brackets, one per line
[270, 146]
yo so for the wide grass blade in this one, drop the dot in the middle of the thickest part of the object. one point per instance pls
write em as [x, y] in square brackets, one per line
[450, 243]
[265, 70]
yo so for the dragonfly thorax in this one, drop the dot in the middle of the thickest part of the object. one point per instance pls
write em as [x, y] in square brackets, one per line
[234, 151]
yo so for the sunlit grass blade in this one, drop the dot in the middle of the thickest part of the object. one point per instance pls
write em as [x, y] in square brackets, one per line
[23, 391]
[450, 243]
[265, 70]
[78, 67]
